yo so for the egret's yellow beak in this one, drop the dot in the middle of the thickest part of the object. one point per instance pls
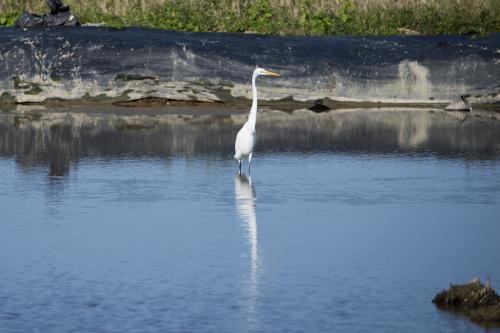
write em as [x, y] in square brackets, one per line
[266, 72]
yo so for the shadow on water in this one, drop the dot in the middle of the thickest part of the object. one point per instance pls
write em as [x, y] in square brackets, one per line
[58, 140]
[245, 198]
[55, 191]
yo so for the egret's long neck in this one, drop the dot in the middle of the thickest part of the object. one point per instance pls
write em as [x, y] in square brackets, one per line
[252, 118]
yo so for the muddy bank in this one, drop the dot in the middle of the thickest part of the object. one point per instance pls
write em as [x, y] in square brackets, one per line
[480, 303]
[89, 64]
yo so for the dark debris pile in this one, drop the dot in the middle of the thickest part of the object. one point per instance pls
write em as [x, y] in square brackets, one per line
[59, 15]
[480, 303]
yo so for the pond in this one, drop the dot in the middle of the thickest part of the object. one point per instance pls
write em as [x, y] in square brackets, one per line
[134, 220]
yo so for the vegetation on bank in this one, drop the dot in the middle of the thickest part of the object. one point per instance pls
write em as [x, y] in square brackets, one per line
[305, 17]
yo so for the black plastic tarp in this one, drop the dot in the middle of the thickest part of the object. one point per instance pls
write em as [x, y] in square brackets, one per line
[133, 63]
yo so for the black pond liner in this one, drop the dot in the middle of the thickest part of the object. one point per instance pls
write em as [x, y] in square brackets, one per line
[134, 63]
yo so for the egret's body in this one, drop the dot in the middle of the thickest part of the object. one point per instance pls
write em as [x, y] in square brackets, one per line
[246, 137]
[245, 141]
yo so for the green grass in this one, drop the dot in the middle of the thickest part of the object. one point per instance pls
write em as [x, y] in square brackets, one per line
[302, 17]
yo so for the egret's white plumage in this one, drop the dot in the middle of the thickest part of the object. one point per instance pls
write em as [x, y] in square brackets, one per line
[245, 139]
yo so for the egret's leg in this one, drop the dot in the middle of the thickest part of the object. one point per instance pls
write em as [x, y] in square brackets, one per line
[249, 161]
[240, 164]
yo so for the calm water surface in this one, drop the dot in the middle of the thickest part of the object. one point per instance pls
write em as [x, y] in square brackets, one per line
[349, 222]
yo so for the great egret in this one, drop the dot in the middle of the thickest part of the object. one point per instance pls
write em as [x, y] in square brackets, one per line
[245, 139]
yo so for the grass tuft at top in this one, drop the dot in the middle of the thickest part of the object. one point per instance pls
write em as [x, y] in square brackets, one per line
[283, 17]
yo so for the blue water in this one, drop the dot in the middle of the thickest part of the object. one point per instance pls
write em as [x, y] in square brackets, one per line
[319, 241]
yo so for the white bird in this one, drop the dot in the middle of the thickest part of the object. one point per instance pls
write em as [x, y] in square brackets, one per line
[245, 139]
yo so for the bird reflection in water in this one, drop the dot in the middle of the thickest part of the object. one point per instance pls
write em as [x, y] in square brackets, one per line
[244, 193]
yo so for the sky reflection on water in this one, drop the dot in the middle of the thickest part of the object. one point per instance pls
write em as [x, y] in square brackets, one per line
[147, 229]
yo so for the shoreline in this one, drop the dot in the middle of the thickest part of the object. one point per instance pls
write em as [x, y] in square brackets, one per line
[326, 105]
